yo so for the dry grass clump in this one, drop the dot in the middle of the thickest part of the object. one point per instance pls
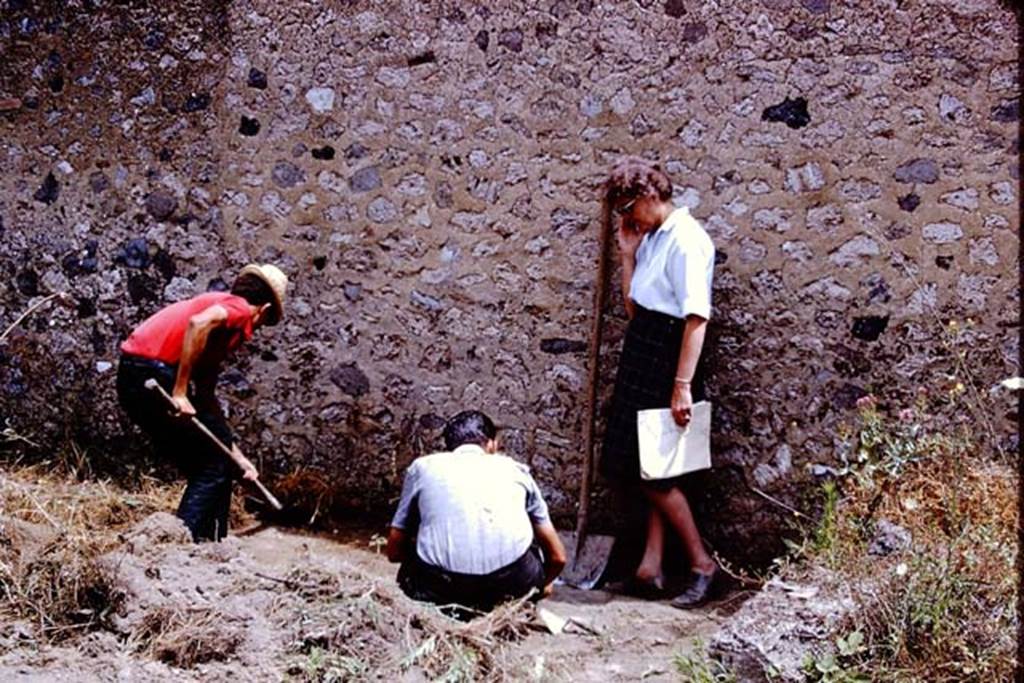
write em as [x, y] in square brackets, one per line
[184, 637]
[943, 609]
[52, 533]
[353, 627]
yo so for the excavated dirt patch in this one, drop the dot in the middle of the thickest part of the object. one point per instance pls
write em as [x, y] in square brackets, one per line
[280, 605]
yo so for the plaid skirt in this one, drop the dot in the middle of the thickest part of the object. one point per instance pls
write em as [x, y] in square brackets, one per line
[644, 380]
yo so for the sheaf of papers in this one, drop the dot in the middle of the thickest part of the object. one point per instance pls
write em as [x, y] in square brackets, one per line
[668, 450]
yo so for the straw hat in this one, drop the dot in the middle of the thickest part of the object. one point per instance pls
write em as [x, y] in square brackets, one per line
[276, 280]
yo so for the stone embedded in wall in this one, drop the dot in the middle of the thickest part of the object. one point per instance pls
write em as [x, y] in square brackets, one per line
[1001, 193]
[161, 205]
[350, 379]
[248, 126]
[806, 178]
[855, 251]
[134, 254]
[1007, 111]
[256, 79]
[381, 210]
[286, 174]
[860, 190]
[825, 219]
[792, 112]
[917, 171]
[953, 110]
[48, 191]
[972, 290]
[869, 327]
[909, 202]
[320, 99]
[511, 39]
[942, 233]
[963, 198]
[775, 218]
[365, 179]
[983, 251]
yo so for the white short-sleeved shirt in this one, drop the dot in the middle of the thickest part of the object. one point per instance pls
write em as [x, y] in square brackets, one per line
[674, 267]
[472, 512]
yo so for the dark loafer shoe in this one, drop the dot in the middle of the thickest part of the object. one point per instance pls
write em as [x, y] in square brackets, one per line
[647, 589]
[697, 593]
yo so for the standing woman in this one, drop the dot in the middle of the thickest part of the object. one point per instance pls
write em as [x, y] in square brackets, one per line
[667, 260]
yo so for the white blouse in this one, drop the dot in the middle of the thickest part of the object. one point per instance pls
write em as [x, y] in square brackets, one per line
[674, 267]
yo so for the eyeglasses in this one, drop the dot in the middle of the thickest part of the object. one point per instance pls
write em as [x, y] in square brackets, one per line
[626, 208]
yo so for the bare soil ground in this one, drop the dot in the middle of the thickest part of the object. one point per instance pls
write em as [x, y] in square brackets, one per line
[280, 605]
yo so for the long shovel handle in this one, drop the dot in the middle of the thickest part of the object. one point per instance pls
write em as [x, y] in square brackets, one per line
[153, 385]
[594, 355]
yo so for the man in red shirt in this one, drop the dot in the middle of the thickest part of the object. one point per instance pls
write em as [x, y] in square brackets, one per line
[182, 347]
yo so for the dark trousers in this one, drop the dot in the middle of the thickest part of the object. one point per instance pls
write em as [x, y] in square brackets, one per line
[481, 592]
[207, 498]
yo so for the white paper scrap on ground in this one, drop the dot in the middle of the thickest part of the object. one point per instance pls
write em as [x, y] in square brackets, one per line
[668, 450]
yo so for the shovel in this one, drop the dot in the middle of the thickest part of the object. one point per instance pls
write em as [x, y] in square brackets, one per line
[153, 385]
[589, 554]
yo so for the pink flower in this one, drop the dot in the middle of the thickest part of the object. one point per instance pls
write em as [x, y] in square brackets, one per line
[906, 415]
[867, 402]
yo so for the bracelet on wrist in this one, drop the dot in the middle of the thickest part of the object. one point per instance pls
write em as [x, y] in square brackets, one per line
[684, 382]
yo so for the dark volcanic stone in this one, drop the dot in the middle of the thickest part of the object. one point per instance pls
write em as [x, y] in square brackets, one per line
[154, 40]
[325, 153]
[48, 191]
[675, 8]
[134, 253]
[286, 174]
[196, 102]
[161, 205]
[944, 261]
[56, 82]
[845, 397]
[792, 112]
[164, 263]
[482, 40]
[558, 345]
[350, 379]
[694, 32]
[816, 6]
[869, 327]
[86, 308]
[248, 127]
[257, 79]
[319, 262]
[355, 151]
[1006, 112]
[142, 287]
[352, 290]
[27, 282]
[917, 171]
[427, 57]
[431, 421]
[365, 179]
[217, 284]
[909, 202]
[511, 39]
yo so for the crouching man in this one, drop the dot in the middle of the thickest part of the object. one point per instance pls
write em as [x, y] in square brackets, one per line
[472, 527]
[182, 347]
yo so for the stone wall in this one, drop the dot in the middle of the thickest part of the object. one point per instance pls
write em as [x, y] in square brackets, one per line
[427, 174]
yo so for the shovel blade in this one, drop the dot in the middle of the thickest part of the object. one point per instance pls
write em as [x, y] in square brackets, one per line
[585, 567]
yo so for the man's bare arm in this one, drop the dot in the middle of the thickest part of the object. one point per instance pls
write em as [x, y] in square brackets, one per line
[554, 553]
[398, 545]
[198, 332]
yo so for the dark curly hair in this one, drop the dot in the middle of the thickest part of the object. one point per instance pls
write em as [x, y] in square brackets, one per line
[636, 177]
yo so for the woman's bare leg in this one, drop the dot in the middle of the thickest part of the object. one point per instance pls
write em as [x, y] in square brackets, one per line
[676, 510]
[650, 565]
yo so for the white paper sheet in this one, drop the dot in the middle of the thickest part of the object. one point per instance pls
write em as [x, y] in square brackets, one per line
[668, 450]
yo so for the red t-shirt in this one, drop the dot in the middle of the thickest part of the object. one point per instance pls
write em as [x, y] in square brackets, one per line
[161, 335]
